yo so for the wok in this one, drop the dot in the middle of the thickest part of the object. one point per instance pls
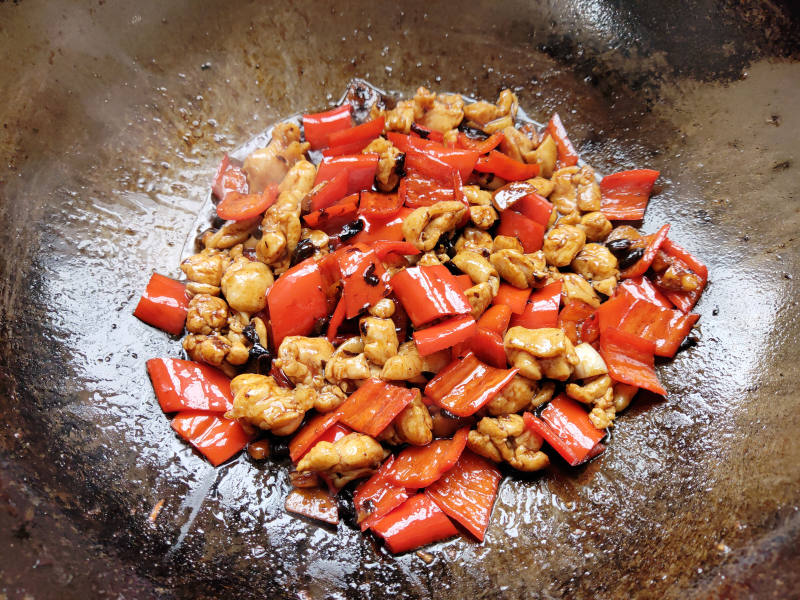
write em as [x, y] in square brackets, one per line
[114, 116]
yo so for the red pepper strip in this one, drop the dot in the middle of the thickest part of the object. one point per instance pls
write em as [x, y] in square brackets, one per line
[496, 319]
[296, 301]
[382, 206]
[566, 151]
[229, 178]
[381, 229]
[426, 133]
[360, 170]
[535, 207]
[385, 249]
[351, 148]
[464, 282]
[305, 439]
[565, 425]
[428, 167]
[429, 293]
[377, 497]
[416, 522]
[445, 334]
[486, 345]
[334, 433]
[331, 191]
[542, 308]
[655, 240]
[482, 146]
[313, 503]
[418, 150]
[629, 359]
[214, 436]
[374, 405]
[625, 194]
[685, 301]
[318, 127]
[364, 133]
[466, 492]
[185, 385]
[363, 279]
[527, 231]
[415, 191]
[239, 207]
[419, 466]
[332, 218]
[164, 304]
[464, 386]
[515, 298]
[643, 289]
[571, 318]
[590, 330]
[505, 167]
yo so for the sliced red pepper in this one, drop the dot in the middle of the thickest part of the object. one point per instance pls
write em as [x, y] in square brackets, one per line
[567, 155]
[572, 317]
[381, 229]
[351, 148]
[426, 133]
[377, 497]
[297, 301]
[419, 466]
[428, 167]
[382, 206]
[654, 242]
[537, 208]
[305, 439]
[565, 425]
[186, 385]
[496, 319]
[360, 169]
[515, 298]
[629, 359]
[240, 207]
[360, 134]
[314, 503]
[486, 345]
[332, 218]
[416, 522]
[466, 493]
[432, 159]
[384, 249]
[330, 192]
[164, 304]
[337, 318]
[429, 293]
[229, 178]
[214, 436]
[482, 146]
[374, 405]
[464, 386]
[363, 279]
[625, 194]
[529, 233]
[464, 282]
[542, 308]
[318, 127]
[446, 334]
[685, 301]
[643, 289]
[416, 191]
[505, 167]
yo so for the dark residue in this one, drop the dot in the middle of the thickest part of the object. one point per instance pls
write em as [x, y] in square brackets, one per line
[369, 276]
[305, 249]
[350, 230]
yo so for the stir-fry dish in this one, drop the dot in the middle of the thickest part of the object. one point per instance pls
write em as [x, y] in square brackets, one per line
[415, 294]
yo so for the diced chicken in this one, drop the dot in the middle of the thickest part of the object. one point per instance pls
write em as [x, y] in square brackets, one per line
[506, 439]
[354, 456]
[261, 402]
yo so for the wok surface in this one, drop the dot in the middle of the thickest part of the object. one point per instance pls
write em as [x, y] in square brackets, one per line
[114, 118]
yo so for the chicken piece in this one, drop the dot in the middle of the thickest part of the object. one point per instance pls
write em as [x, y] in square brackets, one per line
[383, 308]
[412, 426]
[476, 196]
[516, 396]
[240, 345]
[520, 270]
[211, 349]
[206, 314]
[348, 362]
[303, 359]
[590, 362]
[545, 156]
[674, 276]
[380, 339]
[547, 390]
[598, 266]
[474, 240]
[390, 163]
[400, 118]
[424, 226]
[329, 397]
[245, 285]
[571, 218]
[516, 144]
[506, 242]
[575, 287]
[429, 259]
[595, 225]
[592, 391]
[623, 394]
[623, 232]
[482, 217]
[562, 244]
[575, 189]
[351, 457]
[536, 352]
[481, 112]
[439, 112]
[315, 240]
[543, 187]
[507, 439]
[406, 364]
[270, 165]
[479, 269]
[261, 402]
[206, 268]
[230, 234]
[480, 296]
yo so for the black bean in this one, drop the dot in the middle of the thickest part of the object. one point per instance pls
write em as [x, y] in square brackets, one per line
[369, 276]
[305, 249]
[630, 258]
[619, 246]
[350, 230]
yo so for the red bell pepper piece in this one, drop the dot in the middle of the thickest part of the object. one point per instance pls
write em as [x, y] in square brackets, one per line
[463, 282]
[363, 279]
[296, 301]
[515, 298]
[505, 167]
[466, 493]
[240, 207]
[164, 304]
[364, 133]
[643, 289]
[214, 436]
[527, 231]
[186, 385]
[629, 359]
[419, 466]
[496, 319]
[305, 439]
[571, 319]
[429, 293]
[431, 159]
[482, 146]
[229, 178]
[566, 151]
[318, 127]
[377, 497]
[332, 218]
[330, 192]
[654, 242]
[625, 195]
[382, 206]
[537, 208]
[313, 503]
[360, 169]
[685, 301]
[374, 405]
[445, 334]
[487, 346]
[542, 308]
[416, 522]
[337, 318]
[416, 191]
[464, 386]
[381, 229]
[426, 133]
[384, 249]
[565, 425]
